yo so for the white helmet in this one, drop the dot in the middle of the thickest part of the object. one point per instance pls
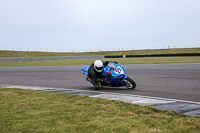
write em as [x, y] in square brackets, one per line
[98, 65]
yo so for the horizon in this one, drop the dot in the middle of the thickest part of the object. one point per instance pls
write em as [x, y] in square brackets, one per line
[99, 51]
[104, 25]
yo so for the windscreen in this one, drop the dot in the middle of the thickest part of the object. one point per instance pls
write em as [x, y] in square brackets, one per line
[112, 66]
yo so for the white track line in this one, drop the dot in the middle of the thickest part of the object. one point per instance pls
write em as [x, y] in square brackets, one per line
[110, 93]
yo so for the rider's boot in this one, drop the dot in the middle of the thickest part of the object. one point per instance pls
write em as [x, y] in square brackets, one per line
[96, 86]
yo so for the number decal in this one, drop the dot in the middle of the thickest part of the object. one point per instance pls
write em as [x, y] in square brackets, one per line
[119, 70]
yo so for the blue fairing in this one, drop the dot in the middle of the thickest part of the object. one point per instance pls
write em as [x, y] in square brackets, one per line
[85, 69]
[115, 76]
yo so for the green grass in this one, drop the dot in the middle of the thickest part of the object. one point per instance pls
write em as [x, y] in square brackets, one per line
[34, 111]
[145, 60]
[4, 53]
[142, 60]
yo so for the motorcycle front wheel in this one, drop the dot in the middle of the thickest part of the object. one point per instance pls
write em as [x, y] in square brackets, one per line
[130, 84]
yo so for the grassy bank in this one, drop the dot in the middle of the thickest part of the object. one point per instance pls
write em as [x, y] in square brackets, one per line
[131, 52]
[145, 60]
[34, 111]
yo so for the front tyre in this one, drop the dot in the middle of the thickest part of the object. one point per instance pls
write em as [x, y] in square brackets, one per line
[130, 84]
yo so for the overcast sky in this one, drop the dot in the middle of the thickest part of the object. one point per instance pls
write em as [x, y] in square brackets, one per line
[80, 25]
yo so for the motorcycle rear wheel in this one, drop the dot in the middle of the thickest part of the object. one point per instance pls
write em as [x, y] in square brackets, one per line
[130, 84]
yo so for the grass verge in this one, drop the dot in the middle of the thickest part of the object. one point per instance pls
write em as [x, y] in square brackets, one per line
[142, 60]
[34, 111]
[4, 53]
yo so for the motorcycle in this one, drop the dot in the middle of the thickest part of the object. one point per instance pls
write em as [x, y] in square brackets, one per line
[114, 75]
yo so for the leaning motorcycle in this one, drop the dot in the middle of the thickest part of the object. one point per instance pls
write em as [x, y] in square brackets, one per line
[114, 75]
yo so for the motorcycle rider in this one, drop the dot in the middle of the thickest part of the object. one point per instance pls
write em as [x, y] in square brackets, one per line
[94, 73]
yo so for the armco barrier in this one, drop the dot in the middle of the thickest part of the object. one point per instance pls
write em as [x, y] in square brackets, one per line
[49, 58]
[117, 56]
[154, 55]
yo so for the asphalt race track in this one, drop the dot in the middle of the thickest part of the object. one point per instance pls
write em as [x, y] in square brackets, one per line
[174, 81]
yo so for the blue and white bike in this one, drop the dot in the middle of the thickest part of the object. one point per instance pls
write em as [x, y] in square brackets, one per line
[114, 75]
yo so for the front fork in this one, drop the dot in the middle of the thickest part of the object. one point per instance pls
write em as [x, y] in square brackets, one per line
[122, 81]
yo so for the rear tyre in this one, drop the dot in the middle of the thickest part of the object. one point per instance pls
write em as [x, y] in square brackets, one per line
[130, 84]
